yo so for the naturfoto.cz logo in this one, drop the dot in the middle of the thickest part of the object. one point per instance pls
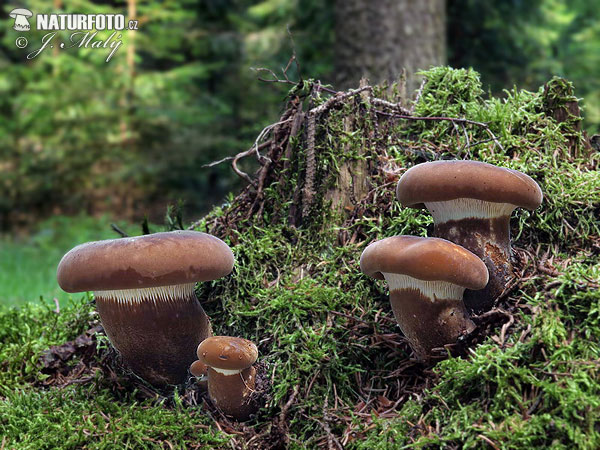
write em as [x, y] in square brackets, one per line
[86, 30]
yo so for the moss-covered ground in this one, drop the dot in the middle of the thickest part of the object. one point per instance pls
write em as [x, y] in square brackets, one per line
[342, 374]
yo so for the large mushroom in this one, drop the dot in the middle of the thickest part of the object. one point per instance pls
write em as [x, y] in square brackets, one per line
[144, 291]
[427, 278]
[20, 15]
[471, 203]
[231, 377]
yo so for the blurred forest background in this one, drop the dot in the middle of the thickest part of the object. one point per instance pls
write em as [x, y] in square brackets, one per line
[127, 137]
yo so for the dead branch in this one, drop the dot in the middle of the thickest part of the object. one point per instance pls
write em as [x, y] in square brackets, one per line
[339, 97]
[308, 191]
[449, 119]
[216, 163]
[387, 108]
[239, 172]
[386, 104]
[262, 134]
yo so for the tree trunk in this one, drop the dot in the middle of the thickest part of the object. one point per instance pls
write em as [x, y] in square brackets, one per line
[378, 39]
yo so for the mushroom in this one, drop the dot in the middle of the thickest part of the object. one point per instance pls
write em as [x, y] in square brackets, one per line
[471, 203]
[427, 278]
[199, 370]
[20, 15]
[231, 377]
[144, 291]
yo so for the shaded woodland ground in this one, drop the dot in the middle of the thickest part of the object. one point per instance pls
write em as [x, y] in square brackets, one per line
[338, 372]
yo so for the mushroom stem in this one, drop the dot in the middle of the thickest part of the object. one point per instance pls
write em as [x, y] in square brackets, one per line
[484, 229]
[230, 391]
[156, 330]
[431, 314]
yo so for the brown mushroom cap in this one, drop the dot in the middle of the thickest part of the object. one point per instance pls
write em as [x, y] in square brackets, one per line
[428, 259]
[198, 368]
[153, 260]
[449, 180]
[227, 353]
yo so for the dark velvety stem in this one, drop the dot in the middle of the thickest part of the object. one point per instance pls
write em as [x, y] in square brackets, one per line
[429, 324]
[490, 240]
[232, 393]
[158, 341]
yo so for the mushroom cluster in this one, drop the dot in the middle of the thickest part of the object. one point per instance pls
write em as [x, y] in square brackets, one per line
[471, 203]
[144, 292]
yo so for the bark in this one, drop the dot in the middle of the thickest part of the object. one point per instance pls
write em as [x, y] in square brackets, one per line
[378, 39]
[352, 183]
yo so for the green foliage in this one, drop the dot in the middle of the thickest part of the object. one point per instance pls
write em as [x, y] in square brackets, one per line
[42, 250]
[525, 43]
[77, 132]
[26, 331]
[67, 419]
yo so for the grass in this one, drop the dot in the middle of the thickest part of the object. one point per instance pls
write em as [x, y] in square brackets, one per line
[341, 371]
[28, 263]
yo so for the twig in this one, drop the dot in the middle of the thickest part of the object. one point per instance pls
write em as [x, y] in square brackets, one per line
[262, 134]
[256, 148]
[479, 142]
[386, 104]
[338, 98]
[293, 58]
[214, 163]
[275, 78]
[79, 380]
[489, 441]
[240, 155]
[331, 439]
[433, 118]
[240, 173]
[288, 404]
[418, 96]
[505, 327]
[116, 229]
[449, 119]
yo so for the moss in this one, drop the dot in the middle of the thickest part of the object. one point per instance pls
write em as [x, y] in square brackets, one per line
[325, 331]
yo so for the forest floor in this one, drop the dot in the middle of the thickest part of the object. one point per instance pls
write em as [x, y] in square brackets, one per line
[341, 374]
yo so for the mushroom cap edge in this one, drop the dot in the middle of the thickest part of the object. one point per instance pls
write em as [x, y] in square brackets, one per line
[436, 181]
[427, 259]
[153, 260]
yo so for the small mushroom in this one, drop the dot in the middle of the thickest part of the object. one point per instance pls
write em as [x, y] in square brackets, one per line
[231, 377]
[199, 370]
[471, 203]
[20, 15]
[144, 291]
[427, 278]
